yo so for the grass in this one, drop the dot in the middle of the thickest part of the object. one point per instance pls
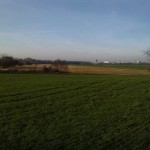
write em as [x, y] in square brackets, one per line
[74, 112]
[131, 66]
[109, 69]
[136, 67]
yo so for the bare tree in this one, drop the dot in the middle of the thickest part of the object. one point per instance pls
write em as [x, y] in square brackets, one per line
[147, 53]
[8, 61]
[60, 66]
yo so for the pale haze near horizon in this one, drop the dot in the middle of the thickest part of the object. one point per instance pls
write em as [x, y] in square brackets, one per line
[115, 30]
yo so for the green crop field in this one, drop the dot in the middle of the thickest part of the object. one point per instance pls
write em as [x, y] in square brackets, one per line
[46, 112]
[136, 67]
[121, 66]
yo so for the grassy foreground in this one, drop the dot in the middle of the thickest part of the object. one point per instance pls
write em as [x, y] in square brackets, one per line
[74, 112]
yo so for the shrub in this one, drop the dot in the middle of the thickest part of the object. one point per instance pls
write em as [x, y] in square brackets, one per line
[60, 66]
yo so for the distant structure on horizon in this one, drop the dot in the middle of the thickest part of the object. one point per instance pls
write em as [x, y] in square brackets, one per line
[106, 62]
[137, 62]
[96, 61]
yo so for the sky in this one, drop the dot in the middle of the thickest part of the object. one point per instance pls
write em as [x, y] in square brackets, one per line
[114, 30]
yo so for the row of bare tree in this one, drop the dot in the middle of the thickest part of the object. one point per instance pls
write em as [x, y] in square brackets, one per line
[8, 61]
[56, 66]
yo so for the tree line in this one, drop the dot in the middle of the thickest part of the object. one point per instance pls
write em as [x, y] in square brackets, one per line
[8, 61]
[56, 65]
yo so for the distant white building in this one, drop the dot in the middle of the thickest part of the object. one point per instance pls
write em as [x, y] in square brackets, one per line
[137, 61]
[106, 62]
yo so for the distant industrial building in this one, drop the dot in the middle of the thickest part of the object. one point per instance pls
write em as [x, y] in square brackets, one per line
[106, 62]
[137, 62]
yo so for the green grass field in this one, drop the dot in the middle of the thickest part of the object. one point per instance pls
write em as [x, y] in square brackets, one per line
[135, 67]
[44, 112]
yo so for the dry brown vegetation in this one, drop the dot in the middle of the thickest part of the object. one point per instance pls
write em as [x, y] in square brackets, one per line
[77, 69]
[105, 70]
[25, 68]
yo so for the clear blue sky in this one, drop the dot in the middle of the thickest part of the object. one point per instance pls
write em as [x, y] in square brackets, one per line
[75, 29]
